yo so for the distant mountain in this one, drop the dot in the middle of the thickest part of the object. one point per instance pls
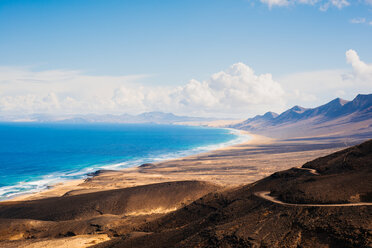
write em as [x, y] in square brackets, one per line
[338, 117]
[148, 117]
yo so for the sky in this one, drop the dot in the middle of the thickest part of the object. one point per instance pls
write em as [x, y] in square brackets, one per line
[218, 58]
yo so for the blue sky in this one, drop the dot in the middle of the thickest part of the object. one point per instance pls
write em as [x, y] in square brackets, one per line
[168, 43]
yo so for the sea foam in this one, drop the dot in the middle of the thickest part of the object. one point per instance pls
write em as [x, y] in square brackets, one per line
[45, 181]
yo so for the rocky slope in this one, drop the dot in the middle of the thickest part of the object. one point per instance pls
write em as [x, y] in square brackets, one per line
[209, 217]
[239, 218]
[338, 118]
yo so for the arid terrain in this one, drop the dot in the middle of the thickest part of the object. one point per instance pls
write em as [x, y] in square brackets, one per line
[227, 167]
[209, 200]
[337, 118]
[186, 124]
[310, 190]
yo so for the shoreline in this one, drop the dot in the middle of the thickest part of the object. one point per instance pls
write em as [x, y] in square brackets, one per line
[181, 194]
[71, 184]
[227, 167]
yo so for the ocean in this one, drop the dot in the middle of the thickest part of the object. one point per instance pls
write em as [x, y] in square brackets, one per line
[35, 156]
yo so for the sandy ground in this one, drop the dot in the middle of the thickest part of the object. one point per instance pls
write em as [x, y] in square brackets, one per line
[266, 195]
[80, 241]
[228, 167]
[51, 220]
[216, 123]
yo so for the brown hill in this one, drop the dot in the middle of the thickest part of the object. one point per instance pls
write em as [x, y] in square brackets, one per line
[241, 217]
[112, 212]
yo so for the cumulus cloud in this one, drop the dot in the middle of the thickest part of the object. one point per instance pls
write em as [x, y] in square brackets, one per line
[323, 5]
[55, 91]
[361, 70]
[336, 3]
[339, 3]
[361, 20]
[313, 88]
[358, 20]
[272, 3]
[236, 90]
[317, 87]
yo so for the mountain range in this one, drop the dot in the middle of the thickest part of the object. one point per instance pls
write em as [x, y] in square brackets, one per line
[147, 117]
[339, 117]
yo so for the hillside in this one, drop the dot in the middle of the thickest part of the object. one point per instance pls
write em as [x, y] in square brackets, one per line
[339, 118]
[325, 203]
[240, 218]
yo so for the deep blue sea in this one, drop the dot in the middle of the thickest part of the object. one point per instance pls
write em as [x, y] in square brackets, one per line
[34, 156]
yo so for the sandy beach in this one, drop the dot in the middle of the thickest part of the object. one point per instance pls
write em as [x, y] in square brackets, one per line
[227, 167]
[110, 206]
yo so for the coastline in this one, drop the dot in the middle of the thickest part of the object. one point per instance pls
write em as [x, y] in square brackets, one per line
[111, 206]
[226, 167]
[69, 185]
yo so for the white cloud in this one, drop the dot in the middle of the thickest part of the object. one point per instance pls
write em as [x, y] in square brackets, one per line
[25, 91]
[317, 87]
[297, 94]
[361, 70]
[237, 88]
[311, 2]
[323, 5]
[339, 3]
[361, 20]
[272, 3]
[336, 3]
[314, 87]
[368, 2]
[358, 20]
[234, 91]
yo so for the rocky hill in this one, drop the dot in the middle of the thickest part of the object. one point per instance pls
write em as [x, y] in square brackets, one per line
[325, 203]
[338, 118]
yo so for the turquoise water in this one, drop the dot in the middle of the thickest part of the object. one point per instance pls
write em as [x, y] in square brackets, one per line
[33, 156]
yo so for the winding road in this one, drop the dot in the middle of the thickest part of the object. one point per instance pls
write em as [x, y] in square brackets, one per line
[266, 195]
[312, 171]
